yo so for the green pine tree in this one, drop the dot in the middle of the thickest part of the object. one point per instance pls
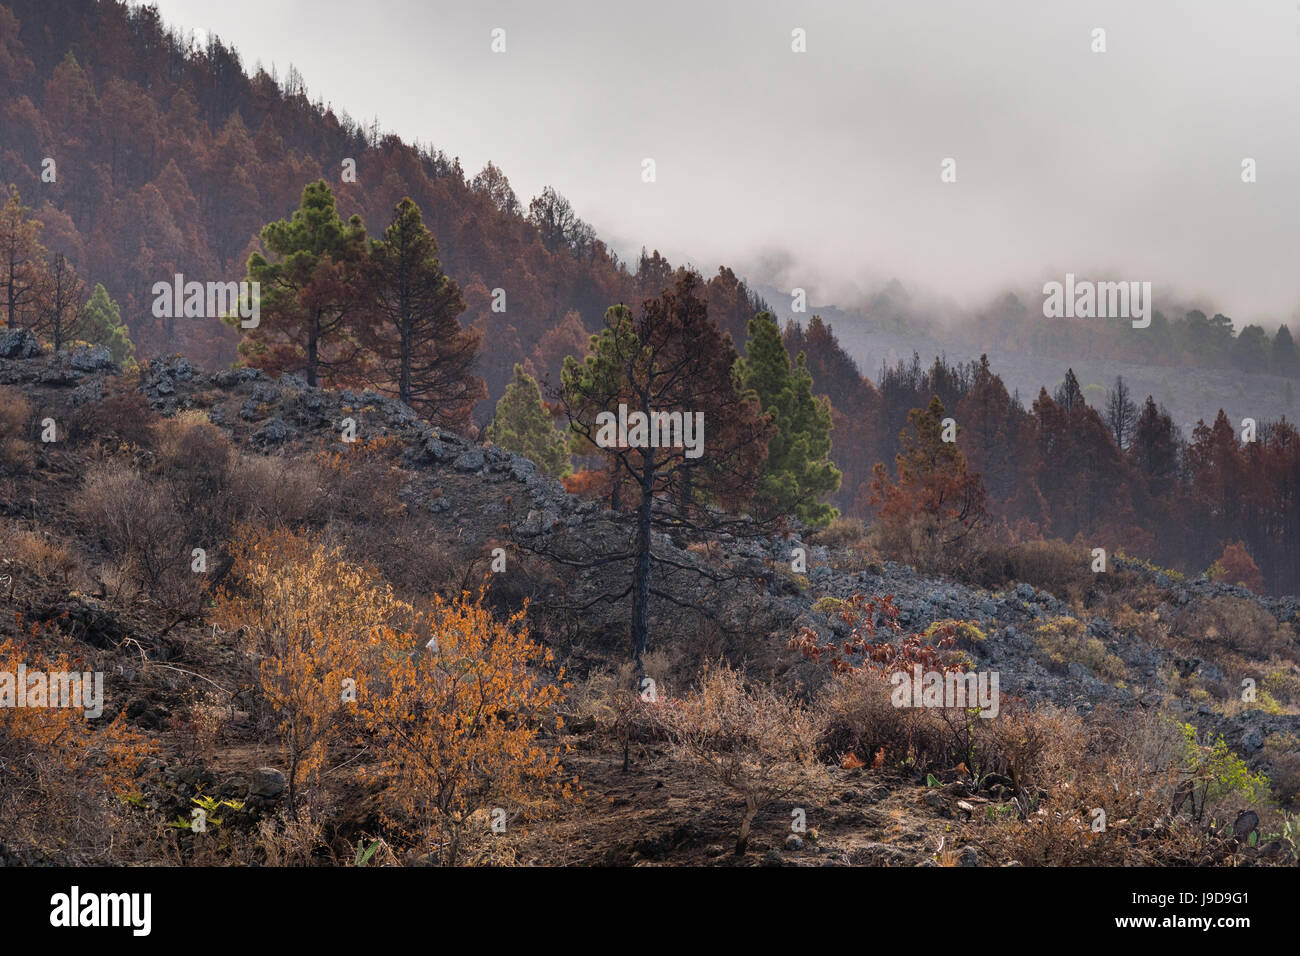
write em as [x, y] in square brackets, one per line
[101, 324]
[419, 343]
[798, 470]
[313, 310]
[522, 425]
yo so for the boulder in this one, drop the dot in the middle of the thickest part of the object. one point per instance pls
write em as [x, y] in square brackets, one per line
[267, 783]
[19, 344]
[272, 433]
[471, 460]
[90, 358]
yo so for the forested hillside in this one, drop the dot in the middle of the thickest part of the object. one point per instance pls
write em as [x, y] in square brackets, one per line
[386, 517]
[134, 156]
[170, 158]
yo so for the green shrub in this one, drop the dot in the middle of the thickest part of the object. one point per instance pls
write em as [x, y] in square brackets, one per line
[1217, 773]
[1065, 641]
[828, 605]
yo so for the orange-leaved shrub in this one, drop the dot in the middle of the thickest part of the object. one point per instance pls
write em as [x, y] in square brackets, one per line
[455, 718]
[64, 773]
[312, 622]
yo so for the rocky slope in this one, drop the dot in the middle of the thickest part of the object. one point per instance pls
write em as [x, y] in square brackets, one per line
[749, 601]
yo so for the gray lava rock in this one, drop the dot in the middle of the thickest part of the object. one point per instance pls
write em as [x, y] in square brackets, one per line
[233, 377]
[19, 344]
[92, 391]
[437, 450]
[90, 358]
[1246, 823]
[877, 854]
[267, 783]
[273, 432]
[472, 460]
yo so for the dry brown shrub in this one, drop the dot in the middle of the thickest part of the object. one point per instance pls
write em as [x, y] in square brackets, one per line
[859, 725]
[1282, 756]
[841, 533]
[15, 411]
[126, 416]
[362, 481]
[857, 718]
[195, 464]
[275, 491]
[754, 741]
[16, 455]
[1039, 747]
[288, 841]
[598, 695]
[121, 419]
[1061, 569]
[199, 725]
[38, 552]
[142, 532]
[1227, 629]
[1127, 766]
[429, 561]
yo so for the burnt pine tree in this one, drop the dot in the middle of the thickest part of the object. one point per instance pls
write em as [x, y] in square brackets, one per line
[936, 502]
[1121, 413]
[1155, 449]
[422, 352]
[1069, 395]
[61, 303]
[311, 294]
[558, 224]
[1284, 359]
[659, 396]
[21, 262]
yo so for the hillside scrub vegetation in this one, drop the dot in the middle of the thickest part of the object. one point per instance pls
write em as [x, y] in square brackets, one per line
[479, 545]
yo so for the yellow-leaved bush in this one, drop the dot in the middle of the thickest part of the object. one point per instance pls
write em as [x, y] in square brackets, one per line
[64, 773]
[456, 720]
[446, 702]
[312, 622]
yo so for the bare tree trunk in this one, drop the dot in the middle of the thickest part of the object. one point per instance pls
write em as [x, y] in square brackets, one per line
[746, 822]
[313, 356]
[615, 503]
[641, 581]
[293, 785]
[404, 382]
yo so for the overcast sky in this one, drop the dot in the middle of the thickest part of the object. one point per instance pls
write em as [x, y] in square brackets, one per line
[822, 169]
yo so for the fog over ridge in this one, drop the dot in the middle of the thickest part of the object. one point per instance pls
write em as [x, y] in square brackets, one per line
[822, 169]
